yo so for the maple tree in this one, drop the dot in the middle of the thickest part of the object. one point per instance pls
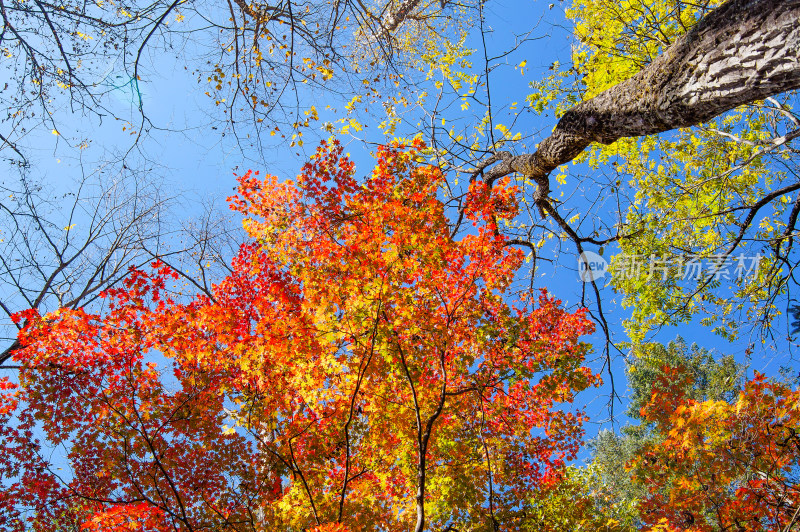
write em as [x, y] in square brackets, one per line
[63, 249]
[617, 490]
[359, 366]
[721, 465]
[712, 451]
[607, 479]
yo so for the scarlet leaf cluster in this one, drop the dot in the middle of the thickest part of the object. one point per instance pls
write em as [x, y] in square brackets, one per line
[721, 465]
[359, 369]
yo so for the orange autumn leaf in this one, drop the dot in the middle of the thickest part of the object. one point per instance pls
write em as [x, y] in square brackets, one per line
[358, 366]
[721, 464]
[124, 518]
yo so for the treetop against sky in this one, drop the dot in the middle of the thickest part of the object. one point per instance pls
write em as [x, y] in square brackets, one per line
[483, 87]
[222, 88]
[378, 354]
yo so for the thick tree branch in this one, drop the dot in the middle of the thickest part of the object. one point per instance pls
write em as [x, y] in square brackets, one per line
[743, 51]
[394, 18]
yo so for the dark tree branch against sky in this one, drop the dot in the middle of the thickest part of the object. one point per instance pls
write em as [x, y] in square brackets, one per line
[743, 51]
[62, 60]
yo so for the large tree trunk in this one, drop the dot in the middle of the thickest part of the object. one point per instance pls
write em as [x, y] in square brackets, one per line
[745, 50]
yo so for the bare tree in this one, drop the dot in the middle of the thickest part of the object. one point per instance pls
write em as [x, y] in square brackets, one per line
[62, 248]
[202, 249]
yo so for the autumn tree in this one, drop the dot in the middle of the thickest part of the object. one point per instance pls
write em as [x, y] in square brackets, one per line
[62, 247]
[616, 492]
[358, 366]
[392, 294]
[712, 450]
[721, 465]
[713, 190]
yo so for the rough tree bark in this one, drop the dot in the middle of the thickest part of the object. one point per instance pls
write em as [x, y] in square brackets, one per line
[393, 19]
[745, 50]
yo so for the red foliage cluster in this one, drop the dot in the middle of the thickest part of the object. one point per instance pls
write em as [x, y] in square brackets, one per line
[359, 367]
